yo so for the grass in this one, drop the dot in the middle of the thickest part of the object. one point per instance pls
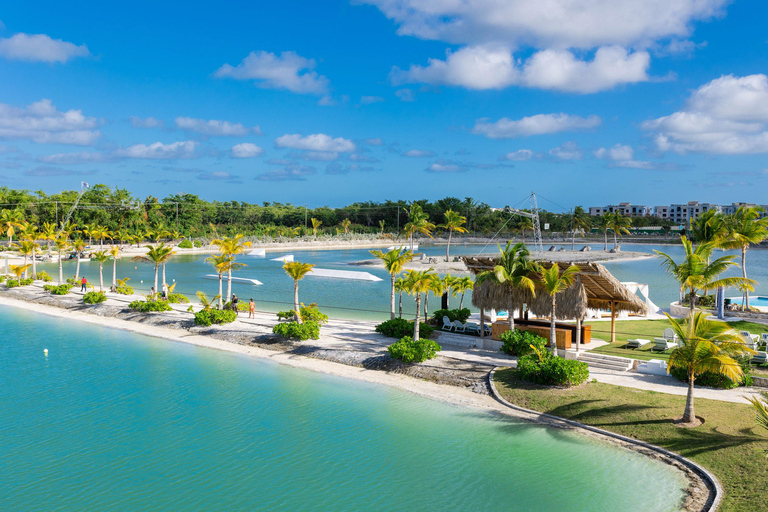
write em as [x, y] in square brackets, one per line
[648, 329]
[729, 443]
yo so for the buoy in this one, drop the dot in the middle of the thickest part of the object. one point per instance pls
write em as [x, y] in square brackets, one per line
[134, 268]
[45, 351]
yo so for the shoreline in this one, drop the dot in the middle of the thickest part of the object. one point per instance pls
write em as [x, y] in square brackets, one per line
[449, 394]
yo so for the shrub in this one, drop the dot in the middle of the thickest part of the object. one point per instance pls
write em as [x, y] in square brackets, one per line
[400, 327]
[12, 283]
[124, 290]
[545, 368]
[26, 282]
[71, 280]
[716, 380]
[3, 278]
[242, 306]
[518, 343]
[58, 290]
[462, 315]
[409, 351]
[298, 331]
[207, 317]
[185, 244]
[286, 315]
[312, 313]
[94, 297]
[43, 276]
[149, 306]
[197, 244]
[177, 298]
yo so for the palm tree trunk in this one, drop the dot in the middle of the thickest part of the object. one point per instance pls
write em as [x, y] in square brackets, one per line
[220, 303]
[156, 270]
[689, 416]
[448, 247]
[296, 309]
[34, 263]
[114, 273]
[229, 284]
[61, 270]
[615, 241]
[510, 317]
[552, 333]
[163, 273]
[101, 276]
[461, 302]
[573, 240]
[691, 299]
[426, 305]
[400, 306]
[392, 298]
[605, 235]
[416, 322]
[744, 274]
[77, 269]
[25, 264]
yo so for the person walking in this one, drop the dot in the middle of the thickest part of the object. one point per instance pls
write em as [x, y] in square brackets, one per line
[251, 309]
[83, 283]
[234, 303]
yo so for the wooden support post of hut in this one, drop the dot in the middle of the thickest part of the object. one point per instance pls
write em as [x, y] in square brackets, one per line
[482, 323]
[613, 321]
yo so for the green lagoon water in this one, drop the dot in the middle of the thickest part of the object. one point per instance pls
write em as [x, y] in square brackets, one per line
[111, 420]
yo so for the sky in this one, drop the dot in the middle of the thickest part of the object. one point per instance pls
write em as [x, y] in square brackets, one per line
[328, 103]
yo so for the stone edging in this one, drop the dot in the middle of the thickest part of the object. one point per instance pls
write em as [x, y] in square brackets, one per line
[713, 484]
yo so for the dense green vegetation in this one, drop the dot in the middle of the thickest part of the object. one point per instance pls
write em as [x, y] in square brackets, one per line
[148, 306]
[542, 367]
[462, 315]
[520, 343]
[94, 297]
[400, 327]
[409, 350]
[58, 289]
[298, 330]
[728, 443]
[207, 317]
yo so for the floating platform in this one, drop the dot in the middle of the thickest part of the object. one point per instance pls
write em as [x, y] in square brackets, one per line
[286, 258]
[404, 247]
[234, 279]
[343, 274]
[258, 252]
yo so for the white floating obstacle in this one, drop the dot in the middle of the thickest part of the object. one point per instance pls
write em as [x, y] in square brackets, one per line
[343, 274]
[258, 252]
[286, 258]
[234, 279]
[404, 247]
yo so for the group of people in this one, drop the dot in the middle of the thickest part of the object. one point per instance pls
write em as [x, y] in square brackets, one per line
[251, 306]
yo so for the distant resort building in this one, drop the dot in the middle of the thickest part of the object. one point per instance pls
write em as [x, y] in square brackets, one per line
[677, 213]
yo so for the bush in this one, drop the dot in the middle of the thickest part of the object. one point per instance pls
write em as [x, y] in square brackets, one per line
[312, 313]
[149, 306]
[409, 351]
[177, 298]
[197, 244]
[545, 368]
[58, 290]
[71, 280]
[12, 283]
[94, 297]
[43, 276]
[26, 282]
[242, 306]
[3, 278]
[298, 331]
[124, 290]
[185, 244]
[207, 317]
[716, 380]
[400, 327]
[518, 343]
[286, 315]
[462, 315]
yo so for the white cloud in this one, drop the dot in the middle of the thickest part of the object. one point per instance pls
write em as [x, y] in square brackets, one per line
[418, 153]
[245, 150]
[519, 155]
[42, 123]
[292, 173]
[150, 122]
[356, 157]
[327, 101]
[539, 124]
[548, 23]
[288, 71]
[215, 128]
[315, 142]
[318, 156]
[40, 48]
[728, 115]
[218, 176]
[47, 171]
[446, 166]
[481, 67]
[622, 155]
[406, 95]
[567, 151]
[367, 100]
[375, 141]
[159, 151]
[84, 157]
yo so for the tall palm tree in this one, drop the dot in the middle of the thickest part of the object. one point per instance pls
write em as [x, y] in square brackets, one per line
[345, 225]
[602, 224]
[436, 286]
[418, 222]
[156, 255]
[448, 287]
[400, 287]
[696, 272]
[619, 224]
[27, 248]
[580, 221]
[382, 224]
[454, 221]
[231, 247]
[709, 227]
[462, 285]
[296, 271]
[514, 270]
[102, 257]
[744, 228]
[30, 234]
[524, 225]
[707, 346]
[220, 263]
[100, 233]
[316, 223]
[554, 282]
[10, 221]
[48, 233]
[79, 246]
[114, 252]
[19, 270]
[393, 261]
[61, 243]
[417, 282]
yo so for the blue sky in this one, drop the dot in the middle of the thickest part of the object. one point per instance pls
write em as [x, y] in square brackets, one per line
[652, 101]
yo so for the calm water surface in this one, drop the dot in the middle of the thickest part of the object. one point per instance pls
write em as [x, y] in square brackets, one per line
[111, 420]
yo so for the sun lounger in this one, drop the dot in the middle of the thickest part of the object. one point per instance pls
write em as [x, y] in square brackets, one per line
[653, 367]
[662, 345]
[459, 326]
[637, 343]
[473, 327]
[669, 334]
[760, 358]
[447, 324]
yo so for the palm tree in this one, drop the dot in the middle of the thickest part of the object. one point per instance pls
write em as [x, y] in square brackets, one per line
[48, 233]
[707, 346]
[231, 247]
[454, 221]
[316, 223]
[10, 220]
[100, 233]
[19, 270]
[418, 222]
[553, 283]
[602, 225]
[449, 287]
[462, 285]
[709, 227]
[393, 261]
[381, 225]
[400, 287]
[61, 244]
[296, 271]
[114, 252]
[220, 263]
[761, 411]
[525, 224]
[418, 282]
[580, 221]
[696, 272]
[513, 270]
[437, 287]
[204, 300]
[619, 224]
[101, 256]
[79, 246]
[345, 224]
[27, 248]
[156, 255]
[30, 235]
[744, 228]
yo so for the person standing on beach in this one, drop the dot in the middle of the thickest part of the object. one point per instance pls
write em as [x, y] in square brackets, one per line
[251, 309]
[83, 284]
[234, 303]
[165, 291]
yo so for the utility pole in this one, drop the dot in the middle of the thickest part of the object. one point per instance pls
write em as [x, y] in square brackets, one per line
[305, 216]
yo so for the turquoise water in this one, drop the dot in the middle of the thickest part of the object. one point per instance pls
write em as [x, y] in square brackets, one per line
[111, 420]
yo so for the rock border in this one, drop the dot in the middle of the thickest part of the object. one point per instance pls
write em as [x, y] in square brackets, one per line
[692, 470]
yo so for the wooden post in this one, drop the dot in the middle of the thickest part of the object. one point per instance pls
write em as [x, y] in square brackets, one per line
[578, 333]
[613, 321]
[482, 323]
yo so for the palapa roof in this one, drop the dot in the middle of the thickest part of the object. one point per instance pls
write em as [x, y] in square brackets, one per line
[595, 288]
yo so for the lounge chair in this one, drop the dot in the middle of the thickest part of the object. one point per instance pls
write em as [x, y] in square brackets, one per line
[669, 334]
[662, 345]
[473, 327]
[750, 339]
[760, 358]
[653, 367]
[637, 343]
[447, 324]
[459, 326]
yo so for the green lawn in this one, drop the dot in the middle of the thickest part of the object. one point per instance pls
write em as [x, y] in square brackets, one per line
[648, 329]
[729, 443]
